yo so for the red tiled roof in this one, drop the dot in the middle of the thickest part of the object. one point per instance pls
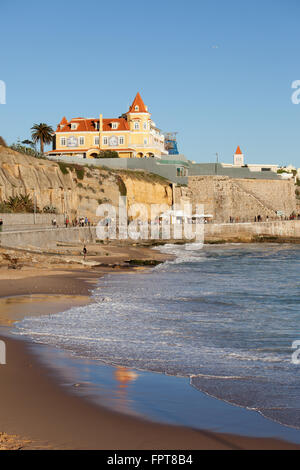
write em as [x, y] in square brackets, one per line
[138, 102]
[117, 149]
[88, 125]
[238, 151]
[123, 124]
[80, 150]
[71, 150]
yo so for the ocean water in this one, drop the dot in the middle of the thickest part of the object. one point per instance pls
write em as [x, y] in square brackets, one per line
[224, 316]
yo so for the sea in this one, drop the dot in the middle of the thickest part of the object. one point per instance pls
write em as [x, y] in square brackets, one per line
[223, 317]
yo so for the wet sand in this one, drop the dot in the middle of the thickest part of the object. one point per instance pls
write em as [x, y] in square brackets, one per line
[37, 411]
[38, 408]
[14, 309]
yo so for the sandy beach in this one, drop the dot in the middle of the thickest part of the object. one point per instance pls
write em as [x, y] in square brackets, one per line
[37, 412]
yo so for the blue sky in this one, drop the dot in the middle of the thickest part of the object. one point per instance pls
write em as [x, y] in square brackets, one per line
[78, 58]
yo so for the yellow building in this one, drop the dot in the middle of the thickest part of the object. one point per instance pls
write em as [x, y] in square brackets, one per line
[133, 135]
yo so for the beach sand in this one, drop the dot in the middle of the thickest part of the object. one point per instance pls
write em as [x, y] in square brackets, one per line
[38, 412]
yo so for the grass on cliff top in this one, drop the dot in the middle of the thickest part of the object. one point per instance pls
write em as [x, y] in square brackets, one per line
[65, 167]
[142, 176]
[139, 175]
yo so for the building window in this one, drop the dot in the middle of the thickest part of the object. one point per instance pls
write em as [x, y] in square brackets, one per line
[73, 127]
[97, 126]
[105, 141]
[180, 171]
[81, 140]
[114, 125]
[136, 108]
[145, 126]
[145, 141]
[96, 140]
[136, 126]
[63, 141]
[121, 140]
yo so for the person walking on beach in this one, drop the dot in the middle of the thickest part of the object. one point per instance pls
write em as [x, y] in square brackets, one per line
[1, 225]
[84, 251]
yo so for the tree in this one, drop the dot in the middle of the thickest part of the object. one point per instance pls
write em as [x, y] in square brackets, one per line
[42, 133]
[28, 142]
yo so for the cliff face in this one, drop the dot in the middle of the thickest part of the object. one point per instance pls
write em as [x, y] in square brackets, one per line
[75, 191]
[243, 199]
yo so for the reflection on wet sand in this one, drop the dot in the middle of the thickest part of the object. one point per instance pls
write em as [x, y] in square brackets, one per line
[18, 307]
[124, 377]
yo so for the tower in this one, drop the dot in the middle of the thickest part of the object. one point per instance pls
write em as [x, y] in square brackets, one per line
[238, 158]
[138, 115]
[139, 120]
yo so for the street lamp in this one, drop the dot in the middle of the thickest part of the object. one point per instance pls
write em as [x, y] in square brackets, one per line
[34, 206]
[216, 164]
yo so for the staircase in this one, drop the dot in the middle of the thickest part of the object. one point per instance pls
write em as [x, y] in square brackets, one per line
[266, 207]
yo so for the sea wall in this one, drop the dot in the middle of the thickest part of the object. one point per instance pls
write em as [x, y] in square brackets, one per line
[241, 232]
[21, 220]
[47, 239]
[288, 229]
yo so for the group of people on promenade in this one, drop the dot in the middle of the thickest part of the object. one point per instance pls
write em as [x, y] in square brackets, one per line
[77, 222]
[259, 218]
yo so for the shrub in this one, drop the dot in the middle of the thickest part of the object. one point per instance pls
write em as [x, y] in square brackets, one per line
[17, 204]
[27, 151]
[4, 209]
[122, 186]
[79, 172]
[108, 154]
[50, 210]
[63, 168]
[103, 201]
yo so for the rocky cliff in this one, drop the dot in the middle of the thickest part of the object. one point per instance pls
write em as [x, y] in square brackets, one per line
[76, 190]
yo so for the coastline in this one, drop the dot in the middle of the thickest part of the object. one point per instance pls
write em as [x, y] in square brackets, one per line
[46, 415]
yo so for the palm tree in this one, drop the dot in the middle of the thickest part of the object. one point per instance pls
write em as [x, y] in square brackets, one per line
[21, 203]
[43, 133]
